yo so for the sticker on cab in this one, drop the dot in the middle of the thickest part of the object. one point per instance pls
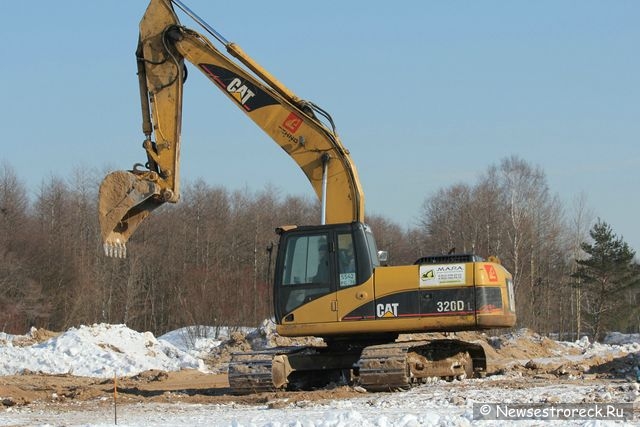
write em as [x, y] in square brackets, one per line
[446, 274]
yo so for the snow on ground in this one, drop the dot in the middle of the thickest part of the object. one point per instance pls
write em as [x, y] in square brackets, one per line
[438, 404]
[102, 350]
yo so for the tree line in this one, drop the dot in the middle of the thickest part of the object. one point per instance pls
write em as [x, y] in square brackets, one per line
[208, 259]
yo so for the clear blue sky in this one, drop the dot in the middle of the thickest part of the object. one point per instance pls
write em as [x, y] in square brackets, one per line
[425, 94]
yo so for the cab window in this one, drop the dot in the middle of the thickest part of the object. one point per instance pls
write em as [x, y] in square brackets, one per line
[306, 272]
[306, 260]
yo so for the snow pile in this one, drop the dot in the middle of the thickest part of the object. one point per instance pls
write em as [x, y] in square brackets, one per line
[6, 338]
[614, 344]
[104, 350]
[616, 338]
[100, 350]
[200, 341]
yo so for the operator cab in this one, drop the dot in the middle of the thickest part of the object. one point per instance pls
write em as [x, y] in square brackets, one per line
[314, 261]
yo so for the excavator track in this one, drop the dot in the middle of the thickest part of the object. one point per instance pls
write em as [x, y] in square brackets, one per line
[379, 367]
[252, 372]
[398, 366]
[383, 368]
[289, 368]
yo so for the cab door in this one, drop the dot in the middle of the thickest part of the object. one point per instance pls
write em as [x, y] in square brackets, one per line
[357, 256]
[305, 283]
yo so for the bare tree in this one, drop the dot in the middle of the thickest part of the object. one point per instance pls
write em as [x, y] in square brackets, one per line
[399, 244]
[446, 221]
[578, 224]
[21, 301]
[511, 214]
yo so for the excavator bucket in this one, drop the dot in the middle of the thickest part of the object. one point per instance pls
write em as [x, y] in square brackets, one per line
[124, 201]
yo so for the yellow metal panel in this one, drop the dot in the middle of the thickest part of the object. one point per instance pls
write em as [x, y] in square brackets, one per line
[351, 298]
[389, 280]
[317, 311]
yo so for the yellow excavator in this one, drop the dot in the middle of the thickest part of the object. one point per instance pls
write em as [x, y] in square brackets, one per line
[330, 279]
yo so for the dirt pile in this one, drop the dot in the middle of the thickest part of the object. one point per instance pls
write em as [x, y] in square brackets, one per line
[262, 337]
[525, 352]
[34, 336]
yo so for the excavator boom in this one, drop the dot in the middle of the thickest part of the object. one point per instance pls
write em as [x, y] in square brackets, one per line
[127, 197]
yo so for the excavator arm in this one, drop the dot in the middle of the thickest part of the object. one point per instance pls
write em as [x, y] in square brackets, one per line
[127, 197]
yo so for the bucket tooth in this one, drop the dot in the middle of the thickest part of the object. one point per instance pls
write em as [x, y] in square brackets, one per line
[115, 250]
